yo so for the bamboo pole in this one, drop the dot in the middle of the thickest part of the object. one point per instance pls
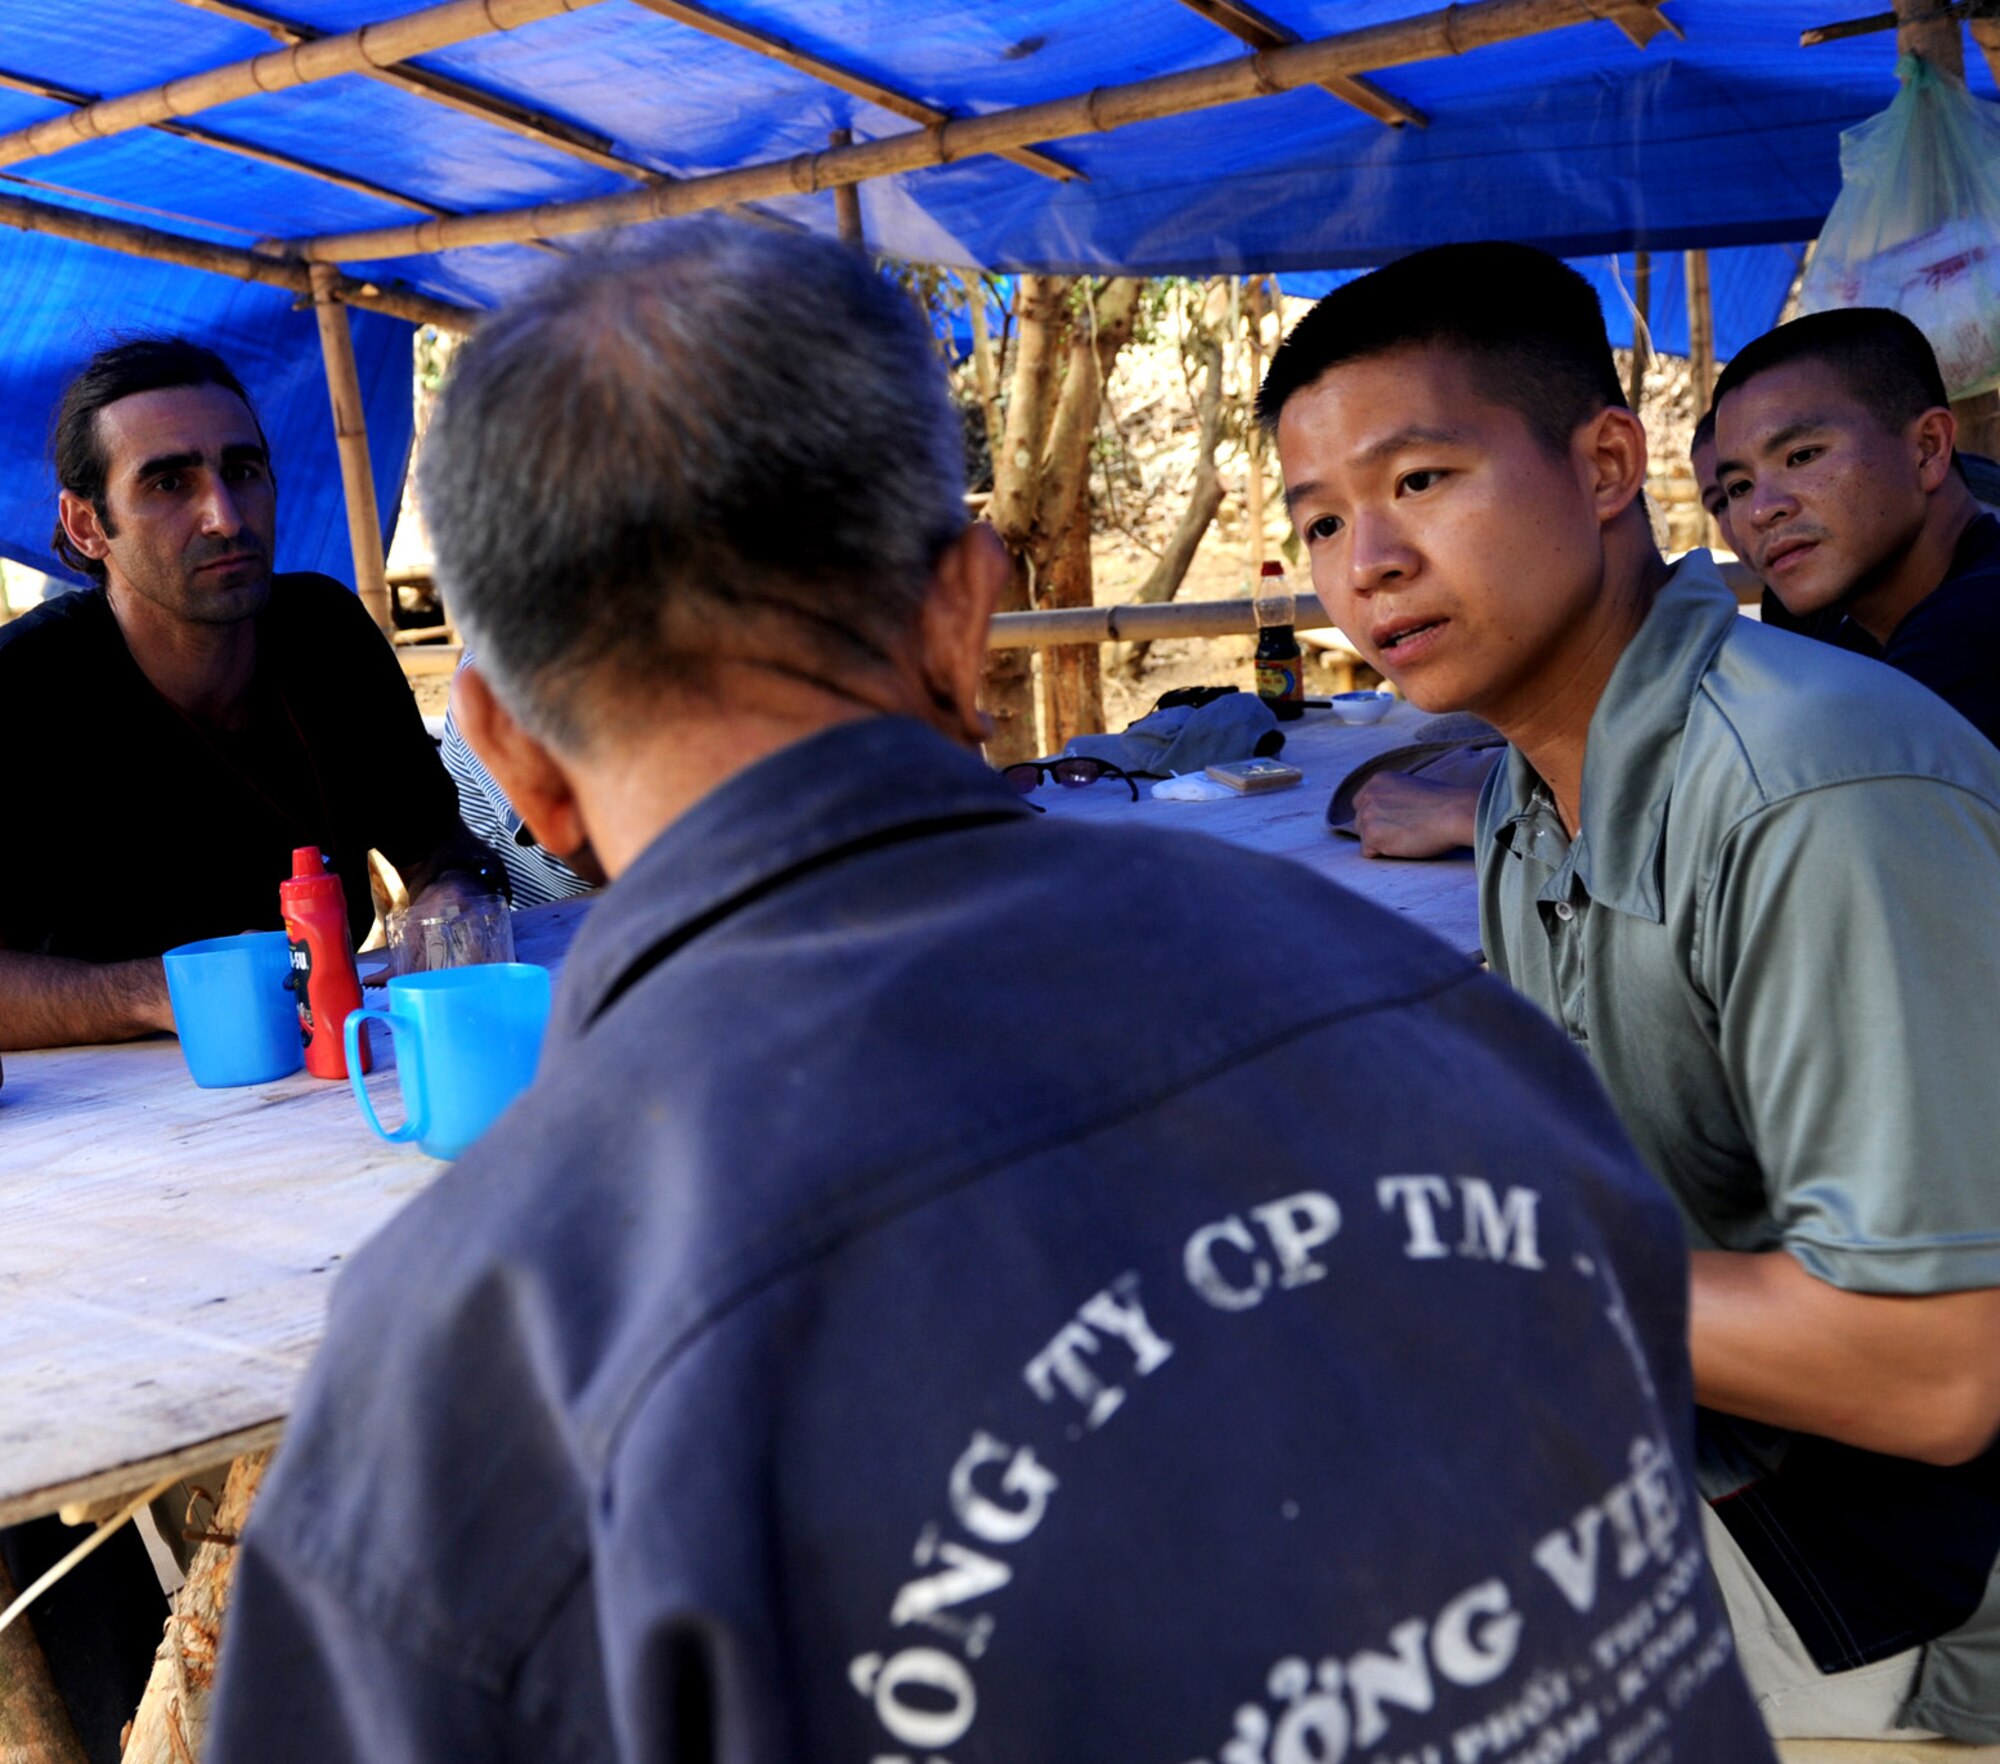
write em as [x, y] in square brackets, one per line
[847, 200]
[350, 434]
[1923, 27]
[538, 126]
[1452, 30]
[1248, 25]
[1051, 628]
[373, 46]
[1642, 323]
[246, 266]
[1701, 330]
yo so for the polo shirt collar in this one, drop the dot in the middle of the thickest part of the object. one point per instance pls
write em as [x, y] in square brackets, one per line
[852, 784]
[1633, 747]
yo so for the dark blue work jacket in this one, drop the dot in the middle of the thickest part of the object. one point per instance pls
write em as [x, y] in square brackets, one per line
[969, 1286]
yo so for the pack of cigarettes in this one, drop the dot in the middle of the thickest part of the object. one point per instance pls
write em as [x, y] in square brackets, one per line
[1253, 777]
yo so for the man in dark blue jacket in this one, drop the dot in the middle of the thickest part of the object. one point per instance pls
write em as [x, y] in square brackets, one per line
[944, 1295]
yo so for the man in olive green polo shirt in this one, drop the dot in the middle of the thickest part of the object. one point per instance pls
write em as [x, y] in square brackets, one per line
[1758, 879]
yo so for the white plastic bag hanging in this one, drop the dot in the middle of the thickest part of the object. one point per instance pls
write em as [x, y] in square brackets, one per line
[1917, 225]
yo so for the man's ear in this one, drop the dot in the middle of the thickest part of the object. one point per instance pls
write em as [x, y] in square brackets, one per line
[532, 778]
[1934, 435]
[80, 522]
[1613, 446]
[965, 587]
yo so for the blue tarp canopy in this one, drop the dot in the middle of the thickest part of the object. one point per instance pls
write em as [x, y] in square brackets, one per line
[1747, 287]
[1574, 139]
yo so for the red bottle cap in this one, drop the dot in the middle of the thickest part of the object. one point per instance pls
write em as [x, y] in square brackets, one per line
[306, 861]
[1272, 568]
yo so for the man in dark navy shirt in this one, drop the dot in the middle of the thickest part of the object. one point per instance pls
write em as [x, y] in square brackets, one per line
[1835, 451]
[954, 1289]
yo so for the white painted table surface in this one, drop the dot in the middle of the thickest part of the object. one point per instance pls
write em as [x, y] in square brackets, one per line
[1439, 893]
[166, 1252]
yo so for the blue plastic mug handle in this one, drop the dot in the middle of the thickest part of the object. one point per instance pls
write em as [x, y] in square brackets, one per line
[411, 1077]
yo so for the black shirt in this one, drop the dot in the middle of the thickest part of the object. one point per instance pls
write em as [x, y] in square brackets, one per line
[134, 830]
[1950, 641]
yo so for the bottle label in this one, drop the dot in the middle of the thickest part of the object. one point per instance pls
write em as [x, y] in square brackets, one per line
[302, 963]
[1278, 681]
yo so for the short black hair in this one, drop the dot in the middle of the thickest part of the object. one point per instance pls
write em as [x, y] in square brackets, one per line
[1530, 323]
[1703, 431]
[125, 369]
[1883, 360]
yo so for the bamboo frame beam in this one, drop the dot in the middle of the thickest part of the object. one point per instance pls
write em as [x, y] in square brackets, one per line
[350, 435]
[1247, 25]
[847, 200]
[373, 46]
[17, 82]
[435, 88]
[245, 266]
[1139, 624]
[828, 73]
[1701, 329]
[1049, 629]
[1453, 30]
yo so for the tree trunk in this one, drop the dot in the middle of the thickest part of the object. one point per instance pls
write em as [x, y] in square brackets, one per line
[1204, 497]
[1072, 683]
[173, 1714]
[1041, 327]
[1041, 478]
[35, 1728]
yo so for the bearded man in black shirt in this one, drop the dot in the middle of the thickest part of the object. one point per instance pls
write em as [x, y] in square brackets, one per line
[203, 716]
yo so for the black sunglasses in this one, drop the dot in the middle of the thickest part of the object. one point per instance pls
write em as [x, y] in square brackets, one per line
[1071, 771]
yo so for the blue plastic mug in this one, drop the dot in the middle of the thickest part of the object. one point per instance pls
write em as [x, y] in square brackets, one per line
[466, 1044]
[236, 1019]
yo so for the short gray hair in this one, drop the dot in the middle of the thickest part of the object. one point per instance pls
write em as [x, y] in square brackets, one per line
[726, 441]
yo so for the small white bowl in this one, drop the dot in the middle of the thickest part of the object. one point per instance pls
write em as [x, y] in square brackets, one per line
[1361, 707]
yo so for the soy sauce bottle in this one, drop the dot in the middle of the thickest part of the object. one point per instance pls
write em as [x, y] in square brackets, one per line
[1279, 669]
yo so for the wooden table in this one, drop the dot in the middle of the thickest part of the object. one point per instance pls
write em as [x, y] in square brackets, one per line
[1438, 894]
[166, 1253]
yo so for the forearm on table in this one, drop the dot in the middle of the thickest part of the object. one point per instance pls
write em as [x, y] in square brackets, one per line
[1397, 816]
[1914, 1377]
[53, 1001]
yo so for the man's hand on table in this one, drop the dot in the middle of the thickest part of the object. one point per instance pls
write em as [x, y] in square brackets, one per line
[1404, 817]
[1914, 1377]
[53, 1001]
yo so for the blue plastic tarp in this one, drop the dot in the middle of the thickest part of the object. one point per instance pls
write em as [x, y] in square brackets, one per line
[1575, 140]
[1748, 285]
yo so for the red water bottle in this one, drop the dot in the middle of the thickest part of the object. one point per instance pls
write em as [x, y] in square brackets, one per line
[323, 979]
